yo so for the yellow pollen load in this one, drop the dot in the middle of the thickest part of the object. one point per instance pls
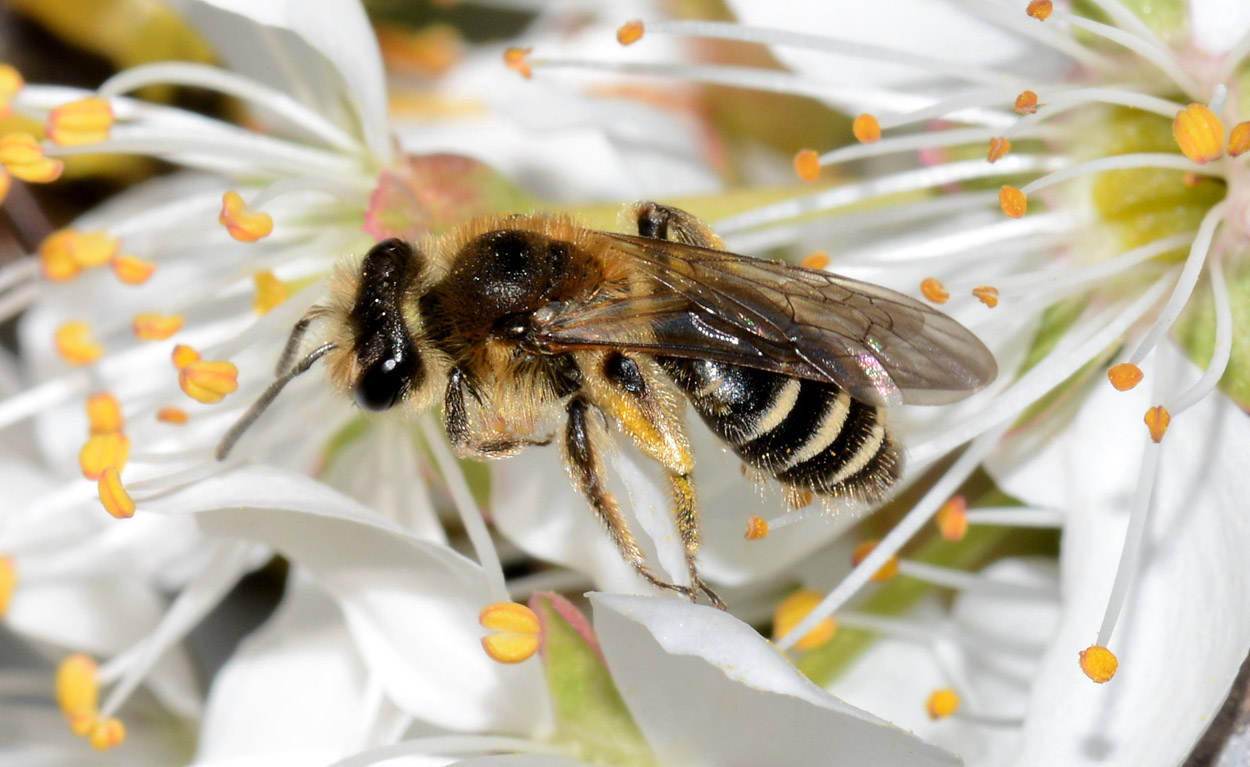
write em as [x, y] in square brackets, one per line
[1099, 663]
[174, 415]
[184, 355]
[113, 496]
[1026, 103]
[86, 121]
[270, 292]
[933, 289]
[516, 632]
[107, 734]
[1157, 420]
[77, 688]
[1239, 139]
[818, 260]
[630, 32]
[104, 413]
[154, 326]
[986, 294]
[866, 129]
[208, 381]
[518, 60]
[807, 165]
[793, 609]
[1012, 201]
[132, 270]
[952, 519]
[999, 147]
[757, 528]
[11, 82]
[22, 156]
[75, 344]
[886, 571]
[1199, 133]
[243, 224]
[942, 703]
[1040, 9]
[1125, 376]
[102, 452]
[8, 583]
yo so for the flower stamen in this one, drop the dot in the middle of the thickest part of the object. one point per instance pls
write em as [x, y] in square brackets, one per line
[952, 519]
[23, 157]
[1125, 376]
[516, 632]
[793, 609]
[86, 121]
[154, 326]
[1099, 663]
[630, 32]
[807, 165]
[75, 344]
[208, 381]
[243, 224]
[757, 528]
[933, 289]
[942, 703]
[883, 573]
[1199, 133]
[132, 270]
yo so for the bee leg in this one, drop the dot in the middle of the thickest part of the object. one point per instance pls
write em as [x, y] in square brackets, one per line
[586, 470]
[663, 222]
[455, 418]
[297, 336]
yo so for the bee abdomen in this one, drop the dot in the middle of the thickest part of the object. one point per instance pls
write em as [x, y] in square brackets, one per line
[809, 435]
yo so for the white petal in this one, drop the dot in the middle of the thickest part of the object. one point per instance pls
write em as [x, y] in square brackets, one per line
[706, 689]
[1217, 25]
[522, 760]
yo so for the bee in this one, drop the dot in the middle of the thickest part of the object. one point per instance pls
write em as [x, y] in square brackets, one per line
[529, 329]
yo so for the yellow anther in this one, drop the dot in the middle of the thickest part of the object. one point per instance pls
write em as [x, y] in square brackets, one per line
[807, 165]
[999, 147]
[630, 32]
[1040, 9]
[103, 451]
[75, 344]
[866, 128]
[243, 224]
[77, 688]
[1157, 420]
[1125, 376]
[208, 381]
[518, 60]
[1012, 201]
[132, 270]
[818, 260]
[270, 292]
[104, 413]
[757, 528]
[23, 156]
[81, 723]
[933, 289]
[793, 609]
[942, 703]
[86, 121]
[8, 583]
[986, 294]
[517, 632]
[10, 83]
[1026, 103]
[885, 572]
[174, 415]
[952, 519]
[66, 252]
[1099, 663]
[184, 355]
[1239, 139]
[113, 496]
[1199, 133]
[107, 734]
[154, 326]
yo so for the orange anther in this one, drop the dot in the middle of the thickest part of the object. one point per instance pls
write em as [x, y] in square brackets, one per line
[243, 224]
[818, 260]
[66, 252]
[952, 519]
[986, 294]
[24, 157]
[102, 452]
[1199, 133]
[113, 496]
[757, 528]
[77, 688]
[8, 583]
[1040, 9]
[1026, 103]
[866, 128]
[999, 147]
[1012, 201]
[933, 289]
[1157, 420]
[107, 734]
[92, 249]
[154, 326]
[630, 32]
[104, 413]
[75, 344]
[1125, 376]
[886, 571]
[85, 121]
[518, 60]
[1099, 663]
[942, 703]
[807, 165]
[132, 270]
[793, 609]
[174, 415]
[208, 381]
[183, 355]
[270, 292]
[1239, 139]
[518, 632]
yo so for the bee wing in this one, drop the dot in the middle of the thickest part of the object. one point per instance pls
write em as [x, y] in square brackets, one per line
[881, 346]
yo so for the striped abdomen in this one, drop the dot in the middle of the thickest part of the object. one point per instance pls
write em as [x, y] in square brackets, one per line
[807, 434]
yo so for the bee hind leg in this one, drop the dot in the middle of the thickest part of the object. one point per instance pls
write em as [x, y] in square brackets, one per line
[664, 222]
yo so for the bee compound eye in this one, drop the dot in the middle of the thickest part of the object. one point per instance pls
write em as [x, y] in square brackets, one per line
[381, 383]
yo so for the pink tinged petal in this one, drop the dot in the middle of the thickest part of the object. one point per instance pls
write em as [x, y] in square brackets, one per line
[706, 689]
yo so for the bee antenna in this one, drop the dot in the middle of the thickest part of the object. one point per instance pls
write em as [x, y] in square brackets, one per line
[270, 394]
